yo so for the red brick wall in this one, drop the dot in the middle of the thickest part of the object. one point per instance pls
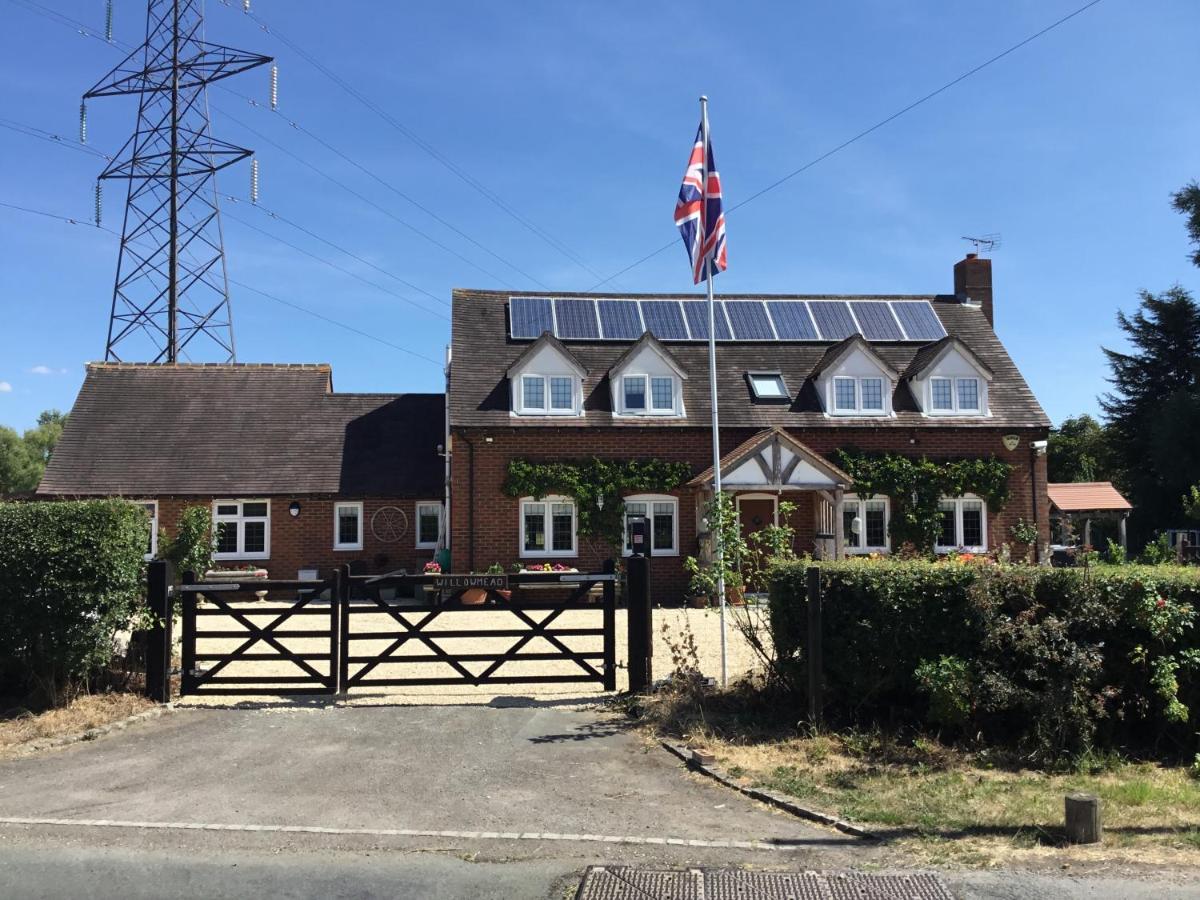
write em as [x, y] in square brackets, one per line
[306, 541]
[495, 521]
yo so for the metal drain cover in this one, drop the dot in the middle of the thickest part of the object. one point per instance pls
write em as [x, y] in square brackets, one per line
[626, 883]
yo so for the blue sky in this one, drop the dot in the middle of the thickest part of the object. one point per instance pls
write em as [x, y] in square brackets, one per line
[580, 116]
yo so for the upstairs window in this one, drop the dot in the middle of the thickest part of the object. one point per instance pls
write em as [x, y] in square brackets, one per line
[865, 525]
[547, 395]
[548, 527]
[243, 529]
[858, 396]
[955, 396]
[648, 395]
[963, 524]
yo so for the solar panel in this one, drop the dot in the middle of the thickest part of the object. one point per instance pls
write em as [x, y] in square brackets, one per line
[619, 320]
[664, 320]
[749, 321]
[876, 320]
[697, 319]
[576, 319]
[918, 319]
[530, 316]
[833, 319]
[792, 321]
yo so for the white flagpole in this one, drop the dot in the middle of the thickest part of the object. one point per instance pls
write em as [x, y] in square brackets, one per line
[712, 387]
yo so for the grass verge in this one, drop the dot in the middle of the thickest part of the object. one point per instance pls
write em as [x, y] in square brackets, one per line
[20, 728]
[936, 804]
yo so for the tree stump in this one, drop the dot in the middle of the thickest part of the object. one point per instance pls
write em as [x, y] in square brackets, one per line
[1083, 819]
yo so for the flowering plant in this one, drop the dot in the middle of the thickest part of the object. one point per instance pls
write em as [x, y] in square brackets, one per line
[433, 568]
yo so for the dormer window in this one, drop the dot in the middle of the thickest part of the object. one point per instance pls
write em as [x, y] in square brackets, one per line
[547, 380]
[955, 396]
[858, 396]
[648, 395]
[547, 395]
[948, 379]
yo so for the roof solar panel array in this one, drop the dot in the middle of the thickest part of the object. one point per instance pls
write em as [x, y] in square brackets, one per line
[587, 319]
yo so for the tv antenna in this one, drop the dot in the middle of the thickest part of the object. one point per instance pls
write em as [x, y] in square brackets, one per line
[171, 287]
[985, 243]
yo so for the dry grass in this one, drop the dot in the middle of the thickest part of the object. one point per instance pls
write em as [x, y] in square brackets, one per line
[19, 728]
[934, 804]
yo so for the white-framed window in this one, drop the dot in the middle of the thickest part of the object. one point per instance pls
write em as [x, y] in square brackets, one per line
[649, 395]
[151, 508]
[963, 524]
[859, 396]
[347, 526]
[955, 396]
[662, 517]
[547, 395]
[429, 524]
[865, 524]
[767, 385]
[547, 527]
[243, 529]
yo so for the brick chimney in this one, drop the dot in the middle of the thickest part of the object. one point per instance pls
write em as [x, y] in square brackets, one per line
[973, 283]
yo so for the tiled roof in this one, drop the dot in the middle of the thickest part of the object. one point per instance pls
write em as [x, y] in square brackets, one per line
[1084, 496]
[483, 353]
[153, 430]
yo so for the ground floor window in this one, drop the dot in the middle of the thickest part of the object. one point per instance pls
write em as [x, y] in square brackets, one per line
[347, 526]
[151, 508]
[963, 524]
[865, 524]
[429, 524]
[662, 516]
[548, 527]
[243, 529]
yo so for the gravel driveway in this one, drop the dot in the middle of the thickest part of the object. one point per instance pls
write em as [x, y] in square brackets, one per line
[671, 626]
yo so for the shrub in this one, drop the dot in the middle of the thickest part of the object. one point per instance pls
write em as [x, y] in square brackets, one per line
[1051, 661]
[70, 579]
[192, 546]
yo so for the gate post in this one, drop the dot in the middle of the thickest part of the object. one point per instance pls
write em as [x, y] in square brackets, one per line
[187, 679]
[640, 640]
[610, 626]
[816, 701]
[158, 641]
[339, 598]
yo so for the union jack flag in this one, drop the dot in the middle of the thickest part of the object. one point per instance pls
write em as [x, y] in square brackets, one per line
[700, 213]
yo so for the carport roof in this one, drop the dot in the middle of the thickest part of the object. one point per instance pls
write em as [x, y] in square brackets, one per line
[1085, 496]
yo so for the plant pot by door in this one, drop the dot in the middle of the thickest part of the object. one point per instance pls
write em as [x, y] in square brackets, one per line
[473, 597]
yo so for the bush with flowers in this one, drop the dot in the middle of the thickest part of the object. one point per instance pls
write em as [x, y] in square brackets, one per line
[433, 568]
[1051, 661]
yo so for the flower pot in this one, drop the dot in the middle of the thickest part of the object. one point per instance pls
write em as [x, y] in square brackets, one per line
[735, 597]
[697, 601]
[473, 597]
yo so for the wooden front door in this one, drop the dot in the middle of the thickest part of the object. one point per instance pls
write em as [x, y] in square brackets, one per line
[755, 514]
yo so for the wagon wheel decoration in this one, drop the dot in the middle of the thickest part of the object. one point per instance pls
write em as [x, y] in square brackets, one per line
[389, 524]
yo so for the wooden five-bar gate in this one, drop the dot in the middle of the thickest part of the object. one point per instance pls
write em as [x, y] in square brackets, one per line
[331, 635]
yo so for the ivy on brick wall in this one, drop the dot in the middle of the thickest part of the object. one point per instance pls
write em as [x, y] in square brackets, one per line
[914, 487]
[589, 480]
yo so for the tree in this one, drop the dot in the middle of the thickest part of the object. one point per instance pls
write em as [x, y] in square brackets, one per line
[23, 458]
[1079, 451]
[1154, 409]
[1187, 201]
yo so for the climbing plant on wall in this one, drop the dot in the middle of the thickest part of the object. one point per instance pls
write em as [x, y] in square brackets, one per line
[914, 487]
[589, 481]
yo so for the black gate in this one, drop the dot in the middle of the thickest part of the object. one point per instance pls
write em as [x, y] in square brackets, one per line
[356, 631]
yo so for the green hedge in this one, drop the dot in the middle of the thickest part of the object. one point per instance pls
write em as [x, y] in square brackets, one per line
[71, 576]
[1051, 661]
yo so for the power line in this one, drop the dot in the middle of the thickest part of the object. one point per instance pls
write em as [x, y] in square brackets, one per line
[866, 131]
[296, 306]
[421, 143]
[42, 134]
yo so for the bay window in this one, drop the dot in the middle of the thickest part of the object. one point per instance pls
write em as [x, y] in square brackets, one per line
[548, 527]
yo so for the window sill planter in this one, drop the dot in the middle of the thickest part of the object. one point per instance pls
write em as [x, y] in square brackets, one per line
[250, 574]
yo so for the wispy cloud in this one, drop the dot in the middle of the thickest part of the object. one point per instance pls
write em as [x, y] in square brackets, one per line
[5, 387]
[46, 370]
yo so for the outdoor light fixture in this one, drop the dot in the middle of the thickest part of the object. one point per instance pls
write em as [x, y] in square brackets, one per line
[855, 525]
[294, 509]
[1039, 447]
[600, 502]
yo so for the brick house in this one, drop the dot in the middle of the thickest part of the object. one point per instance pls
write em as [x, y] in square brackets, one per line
[297, 477]
[546, 377]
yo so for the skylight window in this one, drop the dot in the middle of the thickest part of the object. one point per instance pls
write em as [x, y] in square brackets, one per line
[767, 385]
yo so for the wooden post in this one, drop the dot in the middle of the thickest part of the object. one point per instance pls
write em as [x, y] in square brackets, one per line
[640, 639]
[839, 525]
[1121, 535]
[815, 663]
[1083, 819]
[610, 627]
[339, 598]
[187, 679]
[158, 643]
